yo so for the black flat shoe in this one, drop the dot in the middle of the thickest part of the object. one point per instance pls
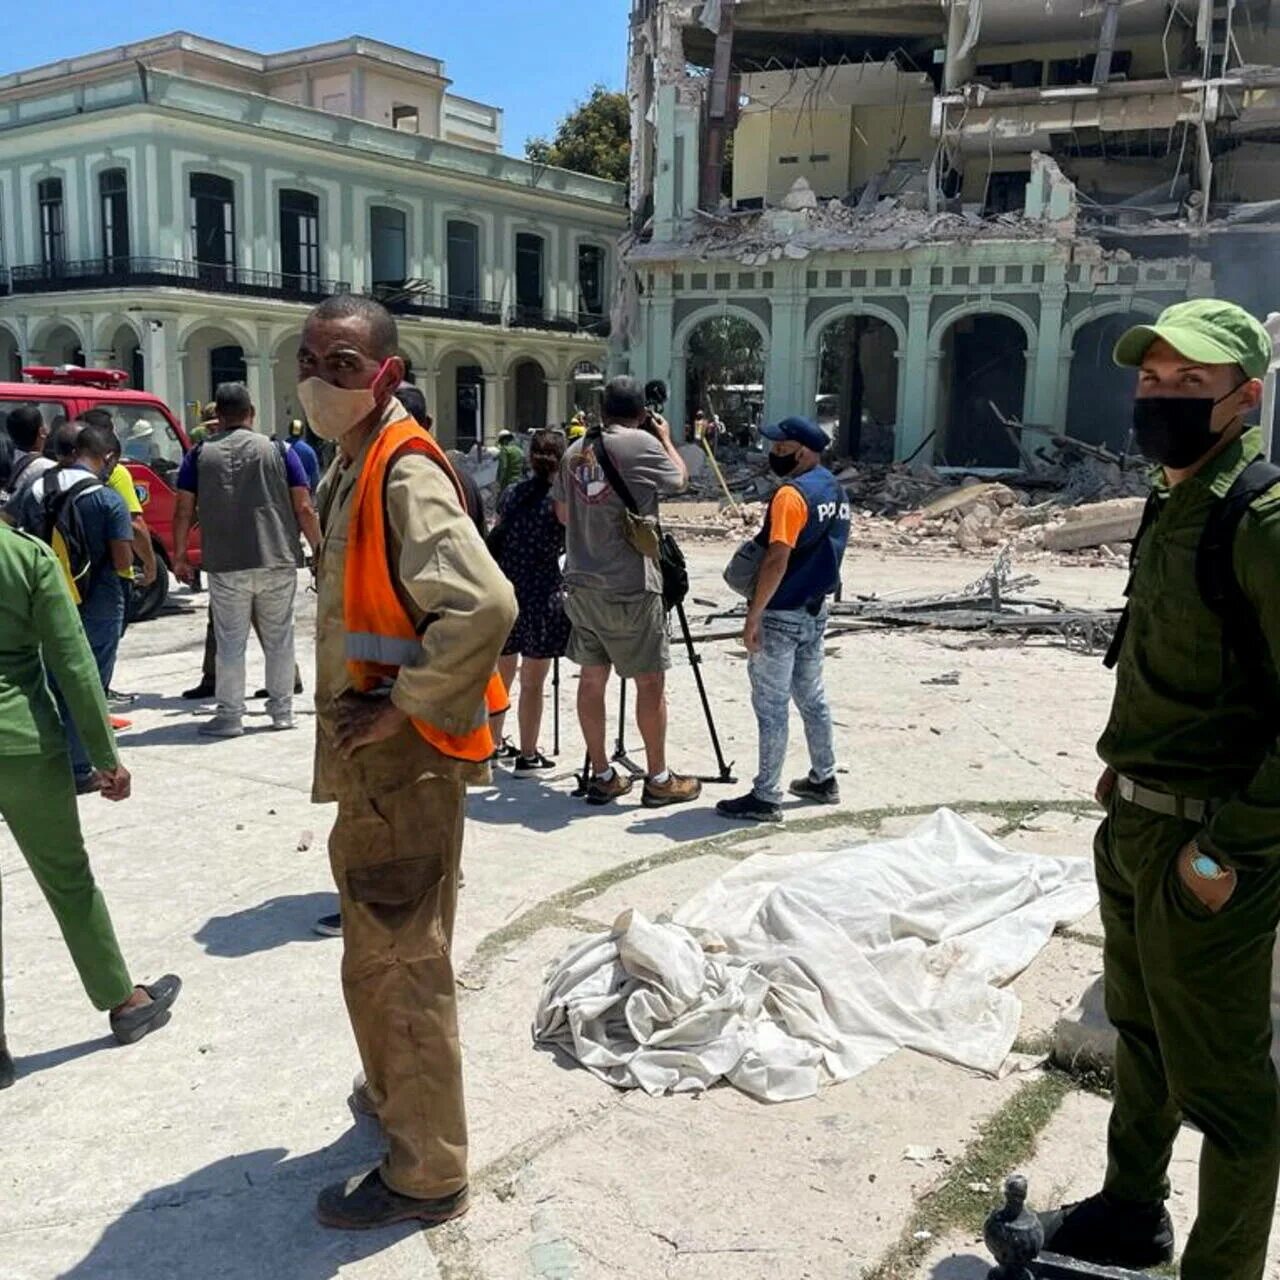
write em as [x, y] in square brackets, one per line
[129, 1027]
[361, 1204]
[199, 693]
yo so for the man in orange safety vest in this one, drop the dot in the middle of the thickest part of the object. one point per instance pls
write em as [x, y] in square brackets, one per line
[412, 615]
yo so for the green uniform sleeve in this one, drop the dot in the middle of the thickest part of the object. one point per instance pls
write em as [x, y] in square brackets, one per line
[67, 655]
[1247, 828]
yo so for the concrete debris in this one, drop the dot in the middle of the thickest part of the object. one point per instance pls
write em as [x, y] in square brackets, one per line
[800, 196]
[1097, 525]
[759, 237]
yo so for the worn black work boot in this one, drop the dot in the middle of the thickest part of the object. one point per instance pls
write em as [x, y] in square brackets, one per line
[807, 788]
[1111, 1232]
[364, 1203]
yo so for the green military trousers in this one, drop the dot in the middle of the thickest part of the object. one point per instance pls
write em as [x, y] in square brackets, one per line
[38, 802]
[1190, 994]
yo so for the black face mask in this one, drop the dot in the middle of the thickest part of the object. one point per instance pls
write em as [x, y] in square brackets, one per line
[1176, 431]
[783, 464]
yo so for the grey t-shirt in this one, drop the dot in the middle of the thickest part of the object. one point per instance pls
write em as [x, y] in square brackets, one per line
[598, 553]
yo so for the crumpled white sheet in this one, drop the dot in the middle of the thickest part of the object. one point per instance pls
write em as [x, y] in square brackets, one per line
[792, 970]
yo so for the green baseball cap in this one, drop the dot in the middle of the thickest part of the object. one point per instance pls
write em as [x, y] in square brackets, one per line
[1206, 331]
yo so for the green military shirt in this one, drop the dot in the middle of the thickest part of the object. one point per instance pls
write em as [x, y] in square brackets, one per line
[1188, 717]
[39, 628]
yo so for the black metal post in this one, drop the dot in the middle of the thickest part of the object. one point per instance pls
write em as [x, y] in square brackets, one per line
[726, 774]
[555, 706]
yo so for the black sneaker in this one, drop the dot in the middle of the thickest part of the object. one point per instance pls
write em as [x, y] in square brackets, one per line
[1110, 1232]
[120, 701]
[503, 752]
[264, 693]
[807, 788]
[329, 926]
[199, 693]
[530, 766]
[750, 808]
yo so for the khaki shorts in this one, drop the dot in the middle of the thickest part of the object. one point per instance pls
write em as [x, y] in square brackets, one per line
[628, 633]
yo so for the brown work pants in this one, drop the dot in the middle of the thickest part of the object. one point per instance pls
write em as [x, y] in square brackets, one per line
[395, 859]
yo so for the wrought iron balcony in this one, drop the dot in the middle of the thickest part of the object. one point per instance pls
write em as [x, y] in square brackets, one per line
[417, 298]
[174, 273]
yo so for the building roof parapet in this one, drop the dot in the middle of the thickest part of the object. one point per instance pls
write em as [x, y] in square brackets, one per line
[222, 104]
[248, 59]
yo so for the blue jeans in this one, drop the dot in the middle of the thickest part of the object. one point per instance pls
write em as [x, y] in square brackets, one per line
[103, 633]
[789, 665]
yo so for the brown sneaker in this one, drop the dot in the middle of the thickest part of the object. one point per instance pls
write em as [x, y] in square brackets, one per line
[676, 790]
[601, 792]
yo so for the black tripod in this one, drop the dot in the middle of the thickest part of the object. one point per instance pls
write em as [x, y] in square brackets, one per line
[620, 756]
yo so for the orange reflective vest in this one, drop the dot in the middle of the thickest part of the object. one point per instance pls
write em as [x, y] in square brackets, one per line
[380, 633]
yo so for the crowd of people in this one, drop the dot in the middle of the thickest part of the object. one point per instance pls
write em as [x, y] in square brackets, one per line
[426, 617]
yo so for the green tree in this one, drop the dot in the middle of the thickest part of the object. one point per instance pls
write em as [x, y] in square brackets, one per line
[725, 351]
[594, 138]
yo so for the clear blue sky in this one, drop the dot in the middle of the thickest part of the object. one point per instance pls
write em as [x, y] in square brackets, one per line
[533, 58]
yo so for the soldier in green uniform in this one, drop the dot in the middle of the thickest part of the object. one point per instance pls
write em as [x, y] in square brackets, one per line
[1188, 857]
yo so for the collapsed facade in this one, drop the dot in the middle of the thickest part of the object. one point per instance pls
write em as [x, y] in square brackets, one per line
[922, 210]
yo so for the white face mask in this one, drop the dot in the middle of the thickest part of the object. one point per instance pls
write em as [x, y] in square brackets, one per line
[334, 411]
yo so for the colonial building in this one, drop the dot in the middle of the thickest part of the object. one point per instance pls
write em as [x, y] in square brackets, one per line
[928, 208]
[174, 207]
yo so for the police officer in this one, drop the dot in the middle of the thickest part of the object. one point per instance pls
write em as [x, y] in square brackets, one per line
[805, 533]
[1188, 857]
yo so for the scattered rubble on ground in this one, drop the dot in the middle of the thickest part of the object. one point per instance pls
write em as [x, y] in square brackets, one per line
[1078, 500]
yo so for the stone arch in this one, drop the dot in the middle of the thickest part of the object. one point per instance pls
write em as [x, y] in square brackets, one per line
[105, 328]
[738, 411]
[42, 329]
[549, 367]
[680, 339]
[471, 355]
[1111, 307]
[971, 372]
[207, 348]
[993, 307]
[1096, 395]
[244, 337]
[856, 388]
[846, 309]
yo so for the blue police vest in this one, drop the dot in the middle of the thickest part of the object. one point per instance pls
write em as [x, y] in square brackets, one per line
[813, 572]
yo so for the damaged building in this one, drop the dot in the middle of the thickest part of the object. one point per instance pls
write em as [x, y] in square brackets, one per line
[914, 211]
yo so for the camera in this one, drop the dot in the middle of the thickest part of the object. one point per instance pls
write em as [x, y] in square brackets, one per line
[655, 399]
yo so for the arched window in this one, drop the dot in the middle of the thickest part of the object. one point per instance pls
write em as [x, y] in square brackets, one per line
[113, 203]
[53, 234]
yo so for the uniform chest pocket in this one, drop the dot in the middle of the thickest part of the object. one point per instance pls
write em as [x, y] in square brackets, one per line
[1180, 639]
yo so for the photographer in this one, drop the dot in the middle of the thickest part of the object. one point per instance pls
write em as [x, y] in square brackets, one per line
[613, 592]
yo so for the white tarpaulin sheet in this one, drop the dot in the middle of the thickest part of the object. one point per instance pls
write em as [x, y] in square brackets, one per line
[791, 970]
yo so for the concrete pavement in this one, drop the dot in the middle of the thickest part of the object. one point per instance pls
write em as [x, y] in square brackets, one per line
[198, 1153]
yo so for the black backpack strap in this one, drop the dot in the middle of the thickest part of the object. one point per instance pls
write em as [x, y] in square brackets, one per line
[1215, 564]
[1150, 514]
[617, 483]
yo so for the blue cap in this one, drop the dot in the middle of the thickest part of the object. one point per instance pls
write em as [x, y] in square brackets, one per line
[802, 430]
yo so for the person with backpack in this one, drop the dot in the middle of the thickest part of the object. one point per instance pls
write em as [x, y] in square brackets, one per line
[30, 433]
[252, 498]
[1188, 855]
[74, 511]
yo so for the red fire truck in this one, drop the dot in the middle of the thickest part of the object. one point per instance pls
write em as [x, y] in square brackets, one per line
[152, 443]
